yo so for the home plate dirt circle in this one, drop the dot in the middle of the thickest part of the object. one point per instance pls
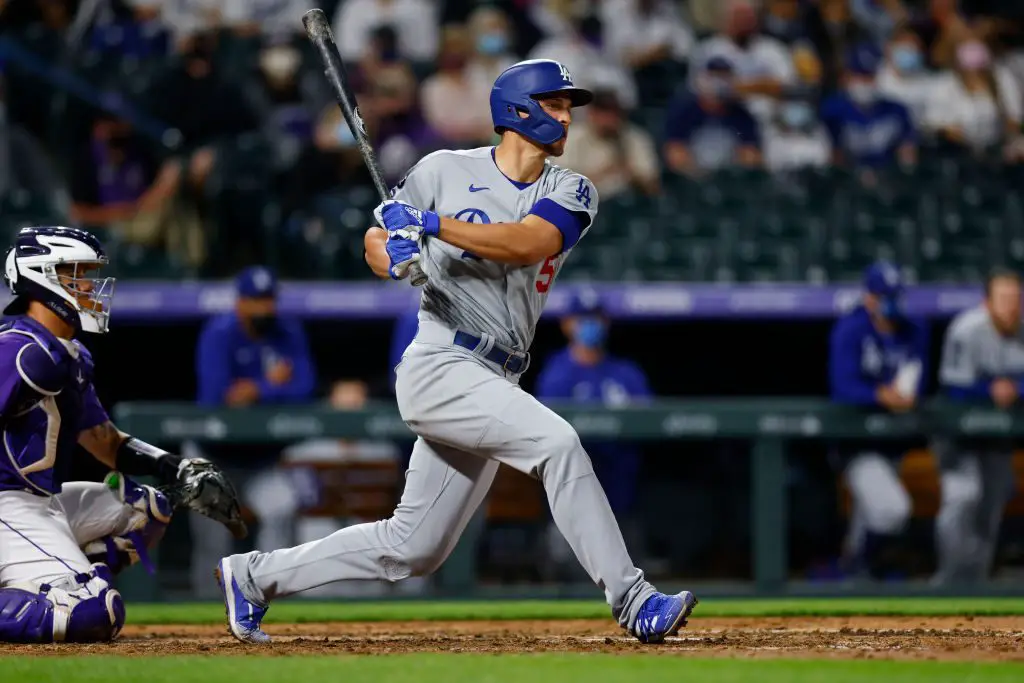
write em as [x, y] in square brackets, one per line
[922, 638]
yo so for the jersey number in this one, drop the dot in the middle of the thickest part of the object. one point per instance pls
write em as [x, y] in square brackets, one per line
[547, 274]
[583, 193]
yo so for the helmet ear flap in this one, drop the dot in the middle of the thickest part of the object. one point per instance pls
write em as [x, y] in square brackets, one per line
[11, 269]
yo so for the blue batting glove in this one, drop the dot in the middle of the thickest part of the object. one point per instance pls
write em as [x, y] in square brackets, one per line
[403, 249]
[392, 215]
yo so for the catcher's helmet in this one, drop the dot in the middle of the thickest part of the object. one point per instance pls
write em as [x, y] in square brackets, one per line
[519, 87]
[31, 272]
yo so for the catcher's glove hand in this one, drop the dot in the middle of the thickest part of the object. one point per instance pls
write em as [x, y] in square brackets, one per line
[202, 487]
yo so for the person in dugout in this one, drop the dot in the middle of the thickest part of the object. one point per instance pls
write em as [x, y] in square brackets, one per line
[252, 355]
[982, 364]
[585, 372]
[877, 357]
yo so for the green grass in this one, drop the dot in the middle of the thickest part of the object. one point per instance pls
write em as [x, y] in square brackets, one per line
[298, 611]
[440, 668]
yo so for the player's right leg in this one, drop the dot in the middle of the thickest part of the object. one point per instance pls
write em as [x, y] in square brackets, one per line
[881, 506]
[49, 592]
[443, 488]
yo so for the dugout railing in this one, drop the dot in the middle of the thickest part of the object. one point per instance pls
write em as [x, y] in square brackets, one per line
[768, 423]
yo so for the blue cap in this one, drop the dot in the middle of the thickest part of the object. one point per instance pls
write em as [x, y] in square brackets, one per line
[864, 59]
[585, 302]
[256, 282]
[883, 279]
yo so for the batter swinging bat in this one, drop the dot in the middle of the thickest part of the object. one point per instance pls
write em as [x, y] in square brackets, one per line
[319, 33]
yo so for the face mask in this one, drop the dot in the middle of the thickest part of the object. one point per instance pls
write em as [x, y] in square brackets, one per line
[797, 115]
[907, 59]
[861, 93]
[973, 56]
[590, 332]
[263, 324]
[492, 44]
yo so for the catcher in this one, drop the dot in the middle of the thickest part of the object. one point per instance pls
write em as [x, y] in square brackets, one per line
[61, 544]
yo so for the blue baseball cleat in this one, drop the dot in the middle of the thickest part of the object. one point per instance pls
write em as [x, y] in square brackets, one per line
[244, 616]
[662, 616]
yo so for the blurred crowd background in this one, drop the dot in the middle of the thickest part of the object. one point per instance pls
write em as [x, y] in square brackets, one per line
[732, 142]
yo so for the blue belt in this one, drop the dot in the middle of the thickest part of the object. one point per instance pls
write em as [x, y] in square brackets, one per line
[509, 362]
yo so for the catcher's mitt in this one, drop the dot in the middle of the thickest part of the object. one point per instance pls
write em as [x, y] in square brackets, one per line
[202, 487]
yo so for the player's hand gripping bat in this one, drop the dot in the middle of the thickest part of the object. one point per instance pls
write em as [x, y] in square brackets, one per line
[319, 33]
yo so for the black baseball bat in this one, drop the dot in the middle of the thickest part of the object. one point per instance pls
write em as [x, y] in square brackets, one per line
[318, 30]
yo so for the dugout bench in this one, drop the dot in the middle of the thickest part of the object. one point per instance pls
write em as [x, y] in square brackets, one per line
[769, 423]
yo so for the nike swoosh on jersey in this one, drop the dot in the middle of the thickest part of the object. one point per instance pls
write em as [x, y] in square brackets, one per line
[477, 189]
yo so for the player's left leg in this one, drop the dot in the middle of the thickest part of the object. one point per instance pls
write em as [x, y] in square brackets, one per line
[997, 488]
[49, 591]
[881, 507]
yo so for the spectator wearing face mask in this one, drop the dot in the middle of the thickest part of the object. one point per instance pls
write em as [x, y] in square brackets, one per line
[640, 33]
[868, 130]
[414, 21]
[784, 21]
[762, 66]
[454, 104]
[796, 138]
[978, 105]
[710, 128]
[493, 47]
[905, 77]
[617, 156]
[584, 372]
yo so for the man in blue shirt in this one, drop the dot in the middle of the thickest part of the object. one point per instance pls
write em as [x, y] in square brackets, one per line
[249, 356]
[867, 129]
[710, 128]
[584, 372]
[877, 359]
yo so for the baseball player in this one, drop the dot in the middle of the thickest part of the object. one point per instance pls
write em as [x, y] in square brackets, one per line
[982, 362]
[490, 227]
[876, 361]
[61, 544]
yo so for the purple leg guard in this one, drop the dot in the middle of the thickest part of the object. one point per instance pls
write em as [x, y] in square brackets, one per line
[84, 610]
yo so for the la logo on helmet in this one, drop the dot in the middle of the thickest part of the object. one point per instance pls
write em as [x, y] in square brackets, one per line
[566, 76]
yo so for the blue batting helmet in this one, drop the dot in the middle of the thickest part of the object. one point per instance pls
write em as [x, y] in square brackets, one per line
[519, 87]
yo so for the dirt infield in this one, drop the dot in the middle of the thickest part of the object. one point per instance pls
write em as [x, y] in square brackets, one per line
[946, 638]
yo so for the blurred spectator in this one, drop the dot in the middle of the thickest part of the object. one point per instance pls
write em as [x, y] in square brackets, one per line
[982, 363]
[832, 32]
[710, 128]
[763, 67]
[977, 106]
[454, 104]
[878, 18]
[617, 156]
[414, 22]
[186, 19]
[784, 21]
[118, 183]
[640, 33]
[290, 100]
[249, 356]
[494, 45]
[877, 358]
[206, 106]
[273, 18]
[584, 372]
[796, 138]
[394, 121]
[576, 49]
[941, 27]
[868, 130]
[118, 28]
[905, 77]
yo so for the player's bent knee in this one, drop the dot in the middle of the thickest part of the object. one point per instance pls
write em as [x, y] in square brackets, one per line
[960, 489]
[82, 609]
[890, 516]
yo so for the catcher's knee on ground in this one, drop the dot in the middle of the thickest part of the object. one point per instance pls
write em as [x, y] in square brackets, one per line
[78, 609]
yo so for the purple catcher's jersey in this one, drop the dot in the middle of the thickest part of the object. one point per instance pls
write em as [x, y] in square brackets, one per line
[46, 399]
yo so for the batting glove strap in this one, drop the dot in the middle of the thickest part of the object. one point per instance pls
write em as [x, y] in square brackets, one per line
[395, 215]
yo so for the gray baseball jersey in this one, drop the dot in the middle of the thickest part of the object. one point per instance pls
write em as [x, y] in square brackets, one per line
[479, 296]
[974, 353]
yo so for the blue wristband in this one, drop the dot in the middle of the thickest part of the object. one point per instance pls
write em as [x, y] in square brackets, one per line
[431, 223]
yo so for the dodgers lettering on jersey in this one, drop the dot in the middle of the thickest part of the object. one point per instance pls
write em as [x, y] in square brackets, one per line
[471, 294]
[974, 353]
[861, 359]
[46, 400]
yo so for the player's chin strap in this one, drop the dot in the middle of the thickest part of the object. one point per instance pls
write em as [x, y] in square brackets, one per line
[196, 484]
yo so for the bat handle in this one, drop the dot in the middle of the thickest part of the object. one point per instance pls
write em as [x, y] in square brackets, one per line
[416, 275]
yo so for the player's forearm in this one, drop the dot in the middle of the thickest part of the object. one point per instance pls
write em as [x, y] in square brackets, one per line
[127, 454]
[102, 442]
[376, 254]
[516, 244]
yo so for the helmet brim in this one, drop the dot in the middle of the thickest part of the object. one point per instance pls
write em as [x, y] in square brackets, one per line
[579, 97]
